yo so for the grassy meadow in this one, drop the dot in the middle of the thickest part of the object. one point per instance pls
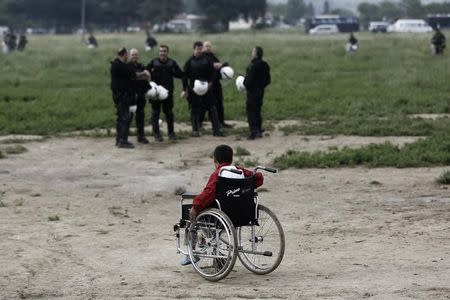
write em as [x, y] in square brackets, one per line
[58, 85]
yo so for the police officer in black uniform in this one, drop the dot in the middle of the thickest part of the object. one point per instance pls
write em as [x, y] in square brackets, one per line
[256, 80]
[352, 40]
[217, 86]
[140, 89]
[163, 69]
[122, 86]
[438, 41]
[22, 42]
[92, 41]
[150, 41]
[200, 67]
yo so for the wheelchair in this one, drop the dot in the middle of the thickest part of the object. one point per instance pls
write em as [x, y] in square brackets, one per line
[238, 226]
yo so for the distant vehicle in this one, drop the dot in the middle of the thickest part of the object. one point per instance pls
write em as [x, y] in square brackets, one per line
[133, 29]
[410, 25]
[39, 31]
[344, 24]
[441, 21]
[378, 27]
[324, 29]
[3, 29]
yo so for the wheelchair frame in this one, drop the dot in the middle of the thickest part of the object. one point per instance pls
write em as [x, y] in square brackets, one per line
[213, 243]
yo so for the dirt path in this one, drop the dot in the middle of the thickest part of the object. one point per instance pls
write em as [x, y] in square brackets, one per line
[351, 233]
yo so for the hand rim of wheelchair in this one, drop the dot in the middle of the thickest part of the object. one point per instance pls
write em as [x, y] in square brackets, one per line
[229, 241]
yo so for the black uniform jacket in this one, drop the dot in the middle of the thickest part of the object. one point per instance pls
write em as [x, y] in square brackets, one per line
[139, 86]
[214, 59]
[164, 72]
[200, 68]
[258, 75]
[122, 77]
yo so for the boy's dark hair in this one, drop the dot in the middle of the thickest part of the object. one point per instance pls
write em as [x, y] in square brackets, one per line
[223, 154]
[259, 51]
[197, 44]
[165, 46]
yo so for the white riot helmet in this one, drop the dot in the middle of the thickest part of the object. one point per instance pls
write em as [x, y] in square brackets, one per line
[240, 83]
[152, 92]
[200, 87]
[162, 92]
[226, 73]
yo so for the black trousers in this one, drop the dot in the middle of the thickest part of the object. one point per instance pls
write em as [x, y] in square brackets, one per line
[253, 107]
[140, 113]
[122, 102]
[217, 95]
[198, 104]
[167, 108]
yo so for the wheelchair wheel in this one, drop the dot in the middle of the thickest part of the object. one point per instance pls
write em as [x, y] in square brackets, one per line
[212, 245]
[261, 247]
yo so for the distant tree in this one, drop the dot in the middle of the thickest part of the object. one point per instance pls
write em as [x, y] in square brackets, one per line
[191, 7]
[437, 8]
[278, 9]
[295, 9]
[223, 11]
[49, 13]
[326, 7]
[310, 10]
[342, 12]
[253, 9]
[158, 11]
[412, 8]
[389, 11]
[368, 12]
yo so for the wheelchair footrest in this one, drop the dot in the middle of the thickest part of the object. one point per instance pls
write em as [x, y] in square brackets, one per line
[265, 253]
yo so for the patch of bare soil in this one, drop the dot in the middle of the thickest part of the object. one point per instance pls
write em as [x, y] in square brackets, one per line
[81, 219]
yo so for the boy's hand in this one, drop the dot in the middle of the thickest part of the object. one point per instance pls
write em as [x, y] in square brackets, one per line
[192, 214]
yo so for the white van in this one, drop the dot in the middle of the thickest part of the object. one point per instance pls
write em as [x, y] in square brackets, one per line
[410, 25]
[3, 29]
[324, 29]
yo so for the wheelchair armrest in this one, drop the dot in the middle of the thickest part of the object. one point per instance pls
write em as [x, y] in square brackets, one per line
[188, 195]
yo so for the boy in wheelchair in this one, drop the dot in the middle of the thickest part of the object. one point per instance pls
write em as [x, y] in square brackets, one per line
[223, 158]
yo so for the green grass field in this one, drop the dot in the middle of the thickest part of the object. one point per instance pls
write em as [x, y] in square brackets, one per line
[58, 85]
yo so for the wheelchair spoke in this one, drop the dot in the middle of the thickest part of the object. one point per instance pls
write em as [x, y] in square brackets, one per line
[213, 248]
[261, 248]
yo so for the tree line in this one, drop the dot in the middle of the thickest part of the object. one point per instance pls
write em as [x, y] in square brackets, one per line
[64, 16]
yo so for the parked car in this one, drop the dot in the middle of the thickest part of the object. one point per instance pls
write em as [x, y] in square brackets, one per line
[324, 29]
[378, 27]
[410, 25]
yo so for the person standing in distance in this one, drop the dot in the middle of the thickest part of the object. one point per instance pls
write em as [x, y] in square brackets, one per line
[163, 69]
[199, 67]
[140, 89]
[256, 80]
[216, 91]
[122, 86]
[438, 42]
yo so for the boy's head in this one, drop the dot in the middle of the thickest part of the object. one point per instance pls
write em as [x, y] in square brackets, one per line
[223, 154]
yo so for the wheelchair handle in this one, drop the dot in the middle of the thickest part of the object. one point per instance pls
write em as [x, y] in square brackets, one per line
[235, 171]
[271, 170]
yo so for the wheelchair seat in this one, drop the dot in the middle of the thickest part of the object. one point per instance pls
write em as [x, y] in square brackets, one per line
[236, 198]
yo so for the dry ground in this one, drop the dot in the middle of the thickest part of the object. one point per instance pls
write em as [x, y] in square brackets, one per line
[351, 233]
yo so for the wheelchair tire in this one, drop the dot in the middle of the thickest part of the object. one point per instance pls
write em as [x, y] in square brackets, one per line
[269, 239]
[212, 245]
